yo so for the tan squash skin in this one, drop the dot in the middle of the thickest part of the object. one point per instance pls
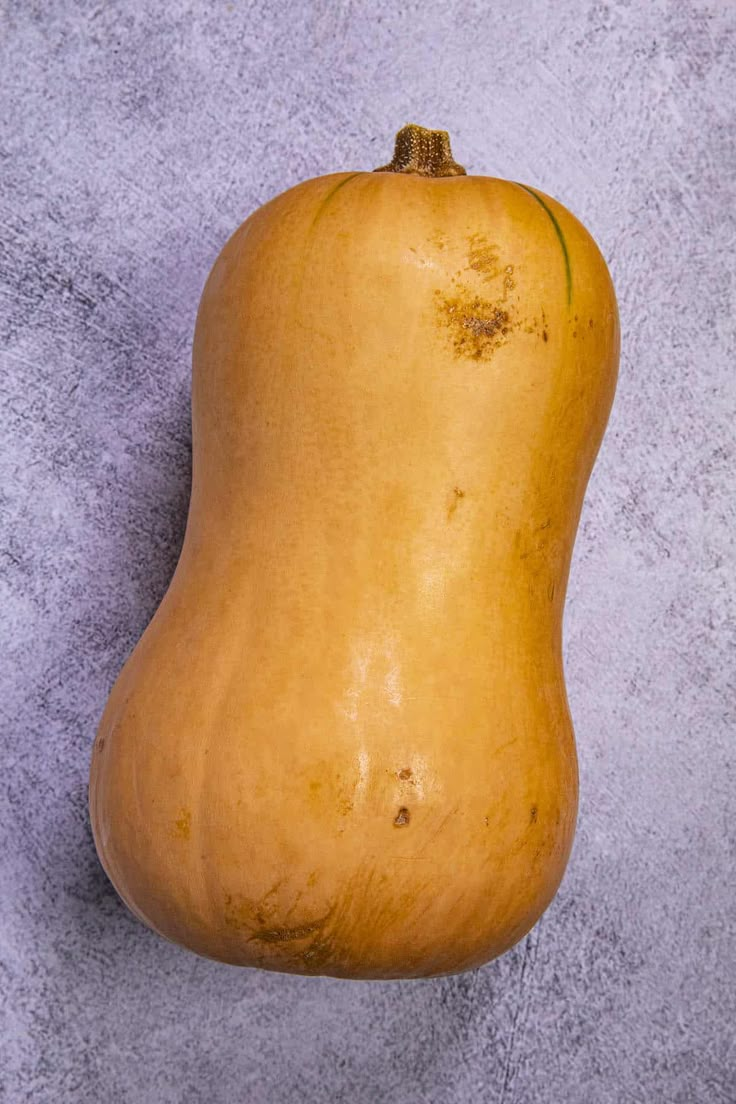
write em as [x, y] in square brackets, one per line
[343, 744]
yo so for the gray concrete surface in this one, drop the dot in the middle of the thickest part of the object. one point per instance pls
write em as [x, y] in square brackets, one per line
[133, 139]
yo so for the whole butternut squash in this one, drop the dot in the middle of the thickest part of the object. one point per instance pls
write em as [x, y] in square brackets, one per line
[343, 744]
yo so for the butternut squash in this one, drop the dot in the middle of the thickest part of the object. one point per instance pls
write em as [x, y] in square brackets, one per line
[343, 744]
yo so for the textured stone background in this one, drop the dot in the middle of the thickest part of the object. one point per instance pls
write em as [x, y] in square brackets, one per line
[133, 139]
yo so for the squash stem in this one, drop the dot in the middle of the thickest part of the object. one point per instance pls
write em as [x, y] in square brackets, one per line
[423, 152]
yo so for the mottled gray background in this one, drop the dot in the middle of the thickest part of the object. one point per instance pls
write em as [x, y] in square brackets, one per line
[134, 138]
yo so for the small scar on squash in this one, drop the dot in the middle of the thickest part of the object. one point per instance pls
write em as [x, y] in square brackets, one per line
[289, 935]
[483, 258]
[183, 825]
[100, 745]
[533, 815]
[237, 912]
[406, 774]
[456, 496]
[312, 952]
[402, 817]
[534, 326]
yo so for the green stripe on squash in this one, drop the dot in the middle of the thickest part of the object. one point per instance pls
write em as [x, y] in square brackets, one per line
[560, 237]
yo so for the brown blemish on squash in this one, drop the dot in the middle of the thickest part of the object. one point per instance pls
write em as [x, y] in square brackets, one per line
[539, 328]
[533, 815]
[457, 495]
[183, 825]
[237, 912]
[406, 774]
[267, 904]
[508, 281]
[402, 817]
[322, 950]
[100, 745]
[240, 914]
[314, 951]
[478, 326]
[295, 903]
[314, 957]
[494, 321]
[483, 257]
[290, 935]
[479, 323]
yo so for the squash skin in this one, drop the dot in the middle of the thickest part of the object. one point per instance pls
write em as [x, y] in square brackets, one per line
[343, 744]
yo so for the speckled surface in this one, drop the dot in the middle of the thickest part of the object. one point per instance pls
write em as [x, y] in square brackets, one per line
[133, 139]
